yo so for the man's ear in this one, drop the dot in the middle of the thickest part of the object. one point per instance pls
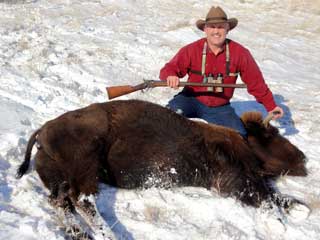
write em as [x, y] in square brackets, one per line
[228, 27]
[205, 30]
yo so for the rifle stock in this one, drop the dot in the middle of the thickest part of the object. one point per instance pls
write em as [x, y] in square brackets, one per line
[117, 91]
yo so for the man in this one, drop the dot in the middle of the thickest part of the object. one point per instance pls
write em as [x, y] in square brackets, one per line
[216, 59]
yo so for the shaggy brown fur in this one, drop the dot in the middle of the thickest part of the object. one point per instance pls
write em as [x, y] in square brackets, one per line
[136, 144]
[278, 155]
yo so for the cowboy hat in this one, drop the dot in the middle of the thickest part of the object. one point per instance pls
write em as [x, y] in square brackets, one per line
[216, 15]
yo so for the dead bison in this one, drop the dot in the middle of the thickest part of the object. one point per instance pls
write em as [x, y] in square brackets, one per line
[137, 144]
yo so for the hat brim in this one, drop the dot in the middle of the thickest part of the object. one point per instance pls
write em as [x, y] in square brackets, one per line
[233, 22]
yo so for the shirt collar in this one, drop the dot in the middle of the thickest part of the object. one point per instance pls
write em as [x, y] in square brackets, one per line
[223, 49]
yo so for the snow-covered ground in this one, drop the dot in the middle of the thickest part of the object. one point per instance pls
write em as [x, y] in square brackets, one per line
[59, 55]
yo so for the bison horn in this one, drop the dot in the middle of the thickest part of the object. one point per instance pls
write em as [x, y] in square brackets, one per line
[267, 119]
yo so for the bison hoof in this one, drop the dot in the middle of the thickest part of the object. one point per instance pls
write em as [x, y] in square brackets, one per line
[76, 233]
[298, 212]
[273, 220]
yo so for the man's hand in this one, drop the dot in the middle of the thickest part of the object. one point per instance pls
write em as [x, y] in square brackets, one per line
[277, 113]
[173, 82]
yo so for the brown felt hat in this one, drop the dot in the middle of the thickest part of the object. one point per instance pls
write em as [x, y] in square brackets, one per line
[217, 15]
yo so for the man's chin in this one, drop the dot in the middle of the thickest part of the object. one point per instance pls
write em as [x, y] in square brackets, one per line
[216, 43]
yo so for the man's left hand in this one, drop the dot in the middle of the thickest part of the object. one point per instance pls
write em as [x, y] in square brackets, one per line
[277, 113]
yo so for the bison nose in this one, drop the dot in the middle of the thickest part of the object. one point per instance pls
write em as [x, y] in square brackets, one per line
[304, 172]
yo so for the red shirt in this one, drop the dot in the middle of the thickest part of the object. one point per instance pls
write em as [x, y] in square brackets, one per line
[190, 58]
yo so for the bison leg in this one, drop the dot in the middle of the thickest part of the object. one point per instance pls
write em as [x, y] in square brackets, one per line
[74, 227]
[49, 173]
[59, 197]
[272, 217]
[294, 208]
[277, 207]
[86, 207]
[52, 177]
[64, 207]
[287, 204]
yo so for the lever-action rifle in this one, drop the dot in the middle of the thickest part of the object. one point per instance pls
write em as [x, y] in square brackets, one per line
[117, 91]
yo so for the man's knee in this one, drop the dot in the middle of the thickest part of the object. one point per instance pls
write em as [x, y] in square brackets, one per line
[181, 105]
[175, 109]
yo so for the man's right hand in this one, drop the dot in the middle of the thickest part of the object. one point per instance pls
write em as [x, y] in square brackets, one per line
[173, 82]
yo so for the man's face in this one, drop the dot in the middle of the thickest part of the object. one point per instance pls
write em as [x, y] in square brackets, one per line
[216, 33]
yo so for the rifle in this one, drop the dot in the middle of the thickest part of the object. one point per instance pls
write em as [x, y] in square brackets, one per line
[117, 91]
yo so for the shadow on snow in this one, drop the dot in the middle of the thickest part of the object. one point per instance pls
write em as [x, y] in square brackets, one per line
[286, 122]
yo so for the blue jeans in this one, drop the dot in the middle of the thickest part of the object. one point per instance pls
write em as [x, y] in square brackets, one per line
[190, 107]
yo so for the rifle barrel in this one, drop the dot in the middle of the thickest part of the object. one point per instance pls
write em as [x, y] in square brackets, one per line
[157, 83]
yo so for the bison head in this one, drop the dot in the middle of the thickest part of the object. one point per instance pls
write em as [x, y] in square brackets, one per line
[278, 154]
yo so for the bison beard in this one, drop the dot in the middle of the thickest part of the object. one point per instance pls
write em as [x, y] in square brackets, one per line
[137, 144]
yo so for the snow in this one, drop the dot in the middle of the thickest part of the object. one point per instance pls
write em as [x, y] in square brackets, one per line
[59, 55]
